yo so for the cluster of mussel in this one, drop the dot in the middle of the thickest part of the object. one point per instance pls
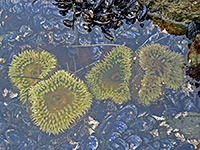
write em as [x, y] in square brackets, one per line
[129, 129]
[25, 22]
[192, 68]
[107, 14]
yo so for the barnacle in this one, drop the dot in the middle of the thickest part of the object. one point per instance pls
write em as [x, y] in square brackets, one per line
[58, 101]
[28, 68]
[110, 78]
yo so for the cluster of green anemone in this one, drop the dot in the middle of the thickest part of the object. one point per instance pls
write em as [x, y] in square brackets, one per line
[57, 101]
[28, 68]
[161, 67]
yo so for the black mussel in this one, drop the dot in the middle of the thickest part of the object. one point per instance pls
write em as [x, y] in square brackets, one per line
[130, 16]
[87, 20]
[193, 72]
[67, 5]
[108, 4]
[34, 1]
[88, 15]
[108, 36]
[185, 146]
[122, 5]
[90, 2]
[147, 147]
[170, 111]
[117, 144]
[132, 8]
[193, 30]
[132, 21]
[78, 6]
[127, 114]
[60, 0]
[84, 5]
[103, 17]
[117, 24]
[78, 13]
[77, 3]
[68, 23]
[87, 27]
[63, 12]
[96, 53]
[134, 141]
[98, 4]
[116, 18]
[117, 2]
[142, 13]
[189, 106]
[98, 22]
[130, 3]
[106, 127]
[107, 33]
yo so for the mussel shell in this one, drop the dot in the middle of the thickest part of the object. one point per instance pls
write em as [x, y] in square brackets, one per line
[186, 146]
[107, 33]
[118, 144]
[193, 30]
[63, 12]
[142, 14]
[87, 27]
[127, 114]
[64, 5]
[134, 141]
[68, 23]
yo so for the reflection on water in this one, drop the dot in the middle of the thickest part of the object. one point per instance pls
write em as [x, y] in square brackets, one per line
[127, 126]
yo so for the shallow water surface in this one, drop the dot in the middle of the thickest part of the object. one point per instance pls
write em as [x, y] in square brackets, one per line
[106, 125]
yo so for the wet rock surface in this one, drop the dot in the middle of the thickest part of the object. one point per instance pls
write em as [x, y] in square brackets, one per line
[174, 16]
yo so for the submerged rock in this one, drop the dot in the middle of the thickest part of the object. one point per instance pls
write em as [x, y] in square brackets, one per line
[174, 16]
[188, 124]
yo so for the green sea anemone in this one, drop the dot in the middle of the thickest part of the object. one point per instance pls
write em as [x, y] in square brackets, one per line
[58, 101]
[151, 88]
[110, 78]
[28, 68]
[164, 64]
